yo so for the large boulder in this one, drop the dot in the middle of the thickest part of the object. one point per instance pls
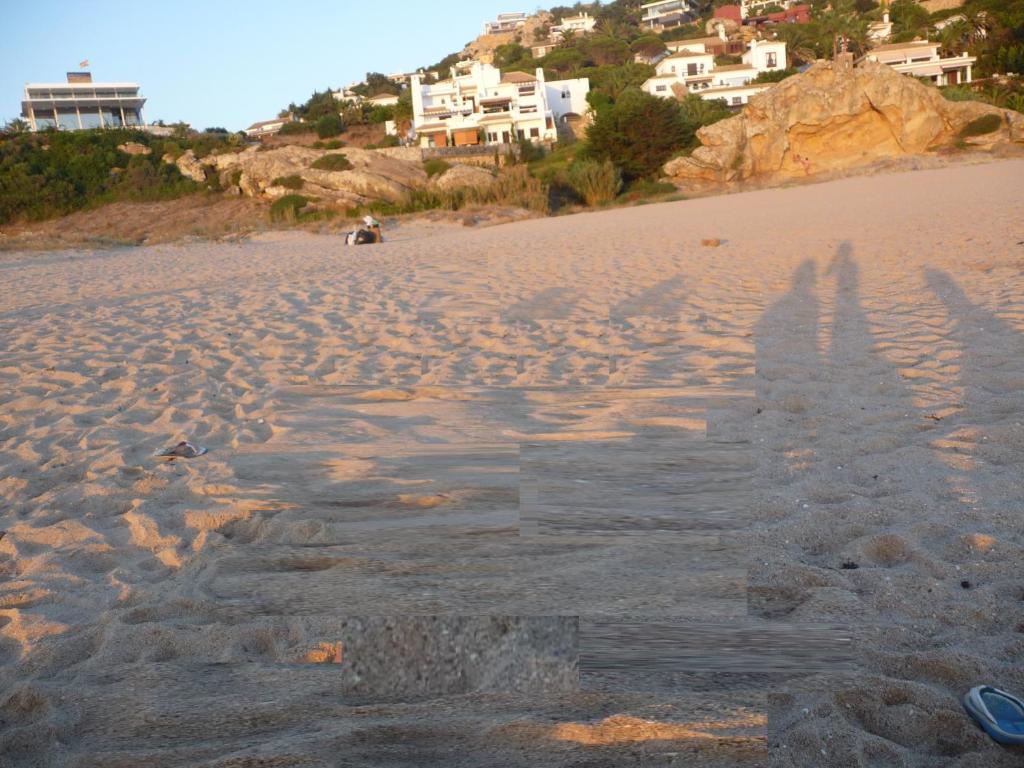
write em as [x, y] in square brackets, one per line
[189, 166]
[374, 176]
[134, 148]
[834, 118]
[463, 177]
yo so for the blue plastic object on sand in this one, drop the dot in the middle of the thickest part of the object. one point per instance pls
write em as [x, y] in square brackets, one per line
[999, 713]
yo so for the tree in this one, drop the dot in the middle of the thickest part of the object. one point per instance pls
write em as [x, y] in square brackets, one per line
[637, 134]
[841, 22]
[16, 126]
[909, 20]
[403, 109]
[329, 126]
[510, 55]
[698, 112]
[607, 50]
[563, 60]
[648, 45]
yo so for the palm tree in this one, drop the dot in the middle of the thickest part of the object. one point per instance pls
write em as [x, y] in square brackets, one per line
[17, 125]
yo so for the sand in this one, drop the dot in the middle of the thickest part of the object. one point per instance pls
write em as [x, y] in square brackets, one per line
[577, 491]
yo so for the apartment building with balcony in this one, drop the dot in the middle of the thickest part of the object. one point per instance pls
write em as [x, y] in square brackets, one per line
[693, 68]
[506, 22]
[666, 14]
[581, 24]
[478, 104]
[80, 104]
[920, 58]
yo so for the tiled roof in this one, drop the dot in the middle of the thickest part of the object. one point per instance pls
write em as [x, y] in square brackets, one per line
[518, 77]
[685, 54]
[913, 44]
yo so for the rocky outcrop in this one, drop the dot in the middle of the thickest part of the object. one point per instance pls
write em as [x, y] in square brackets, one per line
[463, 177]
[189, 166]
[134, 148]
[833, 119]
[374, 175]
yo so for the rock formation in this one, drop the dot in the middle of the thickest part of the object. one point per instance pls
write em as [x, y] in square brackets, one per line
[134, 148]
[189, 165]
[374, 175]
[464, 176]
[834, 119]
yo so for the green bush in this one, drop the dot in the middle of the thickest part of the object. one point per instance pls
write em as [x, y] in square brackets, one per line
[387, 141]
[53, 173]
[516, 186]
[637, 134]
[287, 208]
[291, 129]
[981, 126]
[329, 126]
[335, 162]
[774, 76]
[597, 183]
[332, 144]
[288, 182]
[435, 167]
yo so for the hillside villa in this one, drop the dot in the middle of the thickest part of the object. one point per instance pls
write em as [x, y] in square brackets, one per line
[693, 68]
[920, 58]
[717, 45]
[666, 14]
[582, 24]
[382, 100]
[80, 104]
[480, 105]
[506, 22]
[880, 31]
[540, 50]
[266, 127]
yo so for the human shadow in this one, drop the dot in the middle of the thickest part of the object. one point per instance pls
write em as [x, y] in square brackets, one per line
[985, 435]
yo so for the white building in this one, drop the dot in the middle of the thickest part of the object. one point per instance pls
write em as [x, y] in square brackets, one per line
[540, 50]
[382, 100]
[880, 31]
[506, 22]
[480, 105]
[80, 103]
[583, 24]
[920, 58]
[665, 14]
[693, 67]
[266, 127]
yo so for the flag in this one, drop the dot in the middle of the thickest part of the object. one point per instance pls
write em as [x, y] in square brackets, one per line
[83, 64]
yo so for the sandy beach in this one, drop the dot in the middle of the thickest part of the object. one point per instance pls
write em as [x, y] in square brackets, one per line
[575, 491]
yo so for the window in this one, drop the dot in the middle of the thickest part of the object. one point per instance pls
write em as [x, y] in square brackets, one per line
[691, 69]
[661, 88]
[737, 100]
[535, 133]
[522, 134]
[770, 60]
[566, 94]
[90, 117]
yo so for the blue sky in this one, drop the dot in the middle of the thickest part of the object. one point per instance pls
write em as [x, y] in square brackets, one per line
[228, 63]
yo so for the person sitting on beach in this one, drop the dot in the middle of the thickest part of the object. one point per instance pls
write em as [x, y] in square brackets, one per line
[369, 233]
